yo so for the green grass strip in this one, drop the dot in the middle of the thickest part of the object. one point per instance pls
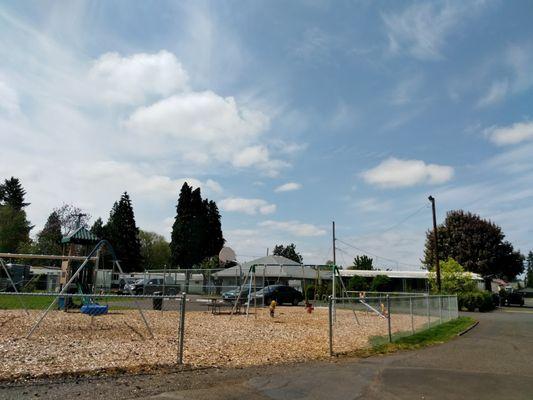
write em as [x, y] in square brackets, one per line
[435, 335]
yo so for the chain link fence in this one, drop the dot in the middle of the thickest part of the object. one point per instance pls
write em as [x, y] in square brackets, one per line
[379, 318]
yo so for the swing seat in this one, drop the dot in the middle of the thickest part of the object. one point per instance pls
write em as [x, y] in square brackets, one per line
[94, 309]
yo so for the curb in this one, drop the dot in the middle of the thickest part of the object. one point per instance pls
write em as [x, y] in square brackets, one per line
[468, 329]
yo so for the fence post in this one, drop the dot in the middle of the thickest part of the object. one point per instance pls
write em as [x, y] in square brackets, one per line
[412, 316]
[449, 308]
[330, 320]
[181, 328]
[388, 318]
[440, 309]
[428, 312]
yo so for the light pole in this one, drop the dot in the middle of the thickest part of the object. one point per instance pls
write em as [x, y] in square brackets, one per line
[436, 242]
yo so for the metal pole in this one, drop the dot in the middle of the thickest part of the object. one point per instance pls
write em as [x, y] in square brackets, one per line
[65, 288]
[440, 308]
[181, 338]
[14, 286]
[334, 267]
[389, 318]
[436, 242]
[429, 315]
[412, 316]
[449, 308]
[330, 321]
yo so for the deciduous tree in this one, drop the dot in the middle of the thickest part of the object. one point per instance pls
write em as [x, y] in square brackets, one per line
[288, 252]
[477, 244]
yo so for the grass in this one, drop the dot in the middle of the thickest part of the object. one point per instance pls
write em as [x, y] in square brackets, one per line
[10, 302]
[435, 335]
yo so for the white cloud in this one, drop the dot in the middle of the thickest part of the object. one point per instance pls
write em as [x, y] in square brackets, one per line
[512, 134]
[294, 227]
[247, 206]
[199, 116]
[251, 156]
[422, 28]
[130, 80]
[395, 172]
[289, 186]
[496, 93]
[9, 101]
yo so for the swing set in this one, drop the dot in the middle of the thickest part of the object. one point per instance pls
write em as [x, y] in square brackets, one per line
[89, 306]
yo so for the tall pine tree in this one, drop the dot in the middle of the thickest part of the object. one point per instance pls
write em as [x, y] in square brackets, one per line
[14, 226]
[49, 239]
[197, 231]
[123, 234]
[98, 228]
[12, 194]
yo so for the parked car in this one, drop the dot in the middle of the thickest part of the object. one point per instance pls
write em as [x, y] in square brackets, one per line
[150, 286]
[231, 295]
[281, 293]
[122, 284]
[511, 297]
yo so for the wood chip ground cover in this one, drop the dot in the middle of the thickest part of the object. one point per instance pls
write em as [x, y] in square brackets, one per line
[68, 343]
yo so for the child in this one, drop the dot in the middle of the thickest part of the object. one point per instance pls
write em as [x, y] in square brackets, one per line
[272, 307]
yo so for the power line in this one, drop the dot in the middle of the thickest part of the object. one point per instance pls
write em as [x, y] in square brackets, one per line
[403, 220]
[375, 255]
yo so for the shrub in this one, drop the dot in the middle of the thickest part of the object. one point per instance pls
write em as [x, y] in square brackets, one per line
[381, 283]
[357, 283]
[476, 300]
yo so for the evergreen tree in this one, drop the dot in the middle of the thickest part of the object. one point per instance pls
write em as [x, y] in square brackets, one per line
[196, 232]
[362, 263]
[12, 194]
[49, 239]
[123, 234]
[14, 229]
[476, 244]
[98, 228]
[288, 252]
[529, 270]
[215, 239]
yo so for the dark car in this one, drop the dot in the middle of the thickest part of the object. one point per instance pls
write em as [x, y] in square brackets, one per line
[231, 295]
[148, 286]
[510, 297]
[281, 293]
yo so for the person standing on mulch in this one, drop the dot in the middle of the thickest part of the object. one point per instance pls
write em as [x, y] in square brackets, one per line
[272, 308]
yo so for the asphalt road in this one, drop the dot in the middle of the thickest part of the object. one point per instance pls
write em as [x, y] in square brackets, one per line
[492, 361]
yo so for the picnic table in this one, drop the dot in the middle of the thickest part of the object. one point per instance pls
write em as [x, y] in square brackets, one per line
[216, 305]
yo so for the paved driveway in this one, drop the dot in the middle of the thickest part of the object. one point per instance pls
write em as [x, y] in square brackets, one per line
[493, 361]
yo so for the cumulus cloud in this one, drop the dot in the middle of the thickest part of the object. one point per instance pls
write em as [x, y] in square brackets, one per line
[395, 172]
[250, 156]
[289, 186]
[199, 116]
[294, 227]
[247, 206]
[512, 134]
[132, 79]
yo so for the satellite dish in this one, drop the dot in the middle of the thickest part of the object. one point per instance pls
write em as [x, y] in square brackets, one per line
[227, 255]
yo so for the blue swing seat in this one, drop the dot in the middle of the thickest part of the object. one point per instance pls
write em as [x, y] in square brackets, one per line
[94, 309]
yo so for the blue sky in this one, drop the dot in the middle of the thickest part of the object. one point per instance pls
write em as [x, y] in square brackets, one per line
[288, 114]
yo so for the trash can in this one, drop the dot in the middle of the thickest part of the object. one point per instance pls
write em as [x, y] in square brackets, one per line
[157, 302]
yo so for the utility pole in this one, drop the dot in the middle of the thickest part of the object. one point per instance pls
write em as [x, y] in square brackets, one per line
[436, 242]
[334, 261]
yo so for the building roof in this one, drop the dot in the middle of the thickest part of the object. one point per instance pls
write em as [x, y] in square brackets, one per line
[80, 236]
[273, 267]
[417, 274]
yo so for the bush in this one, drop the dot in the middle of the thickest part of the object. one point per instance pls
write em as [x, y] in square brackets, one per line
[357, 283]
[381, 283]
[476, 300]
